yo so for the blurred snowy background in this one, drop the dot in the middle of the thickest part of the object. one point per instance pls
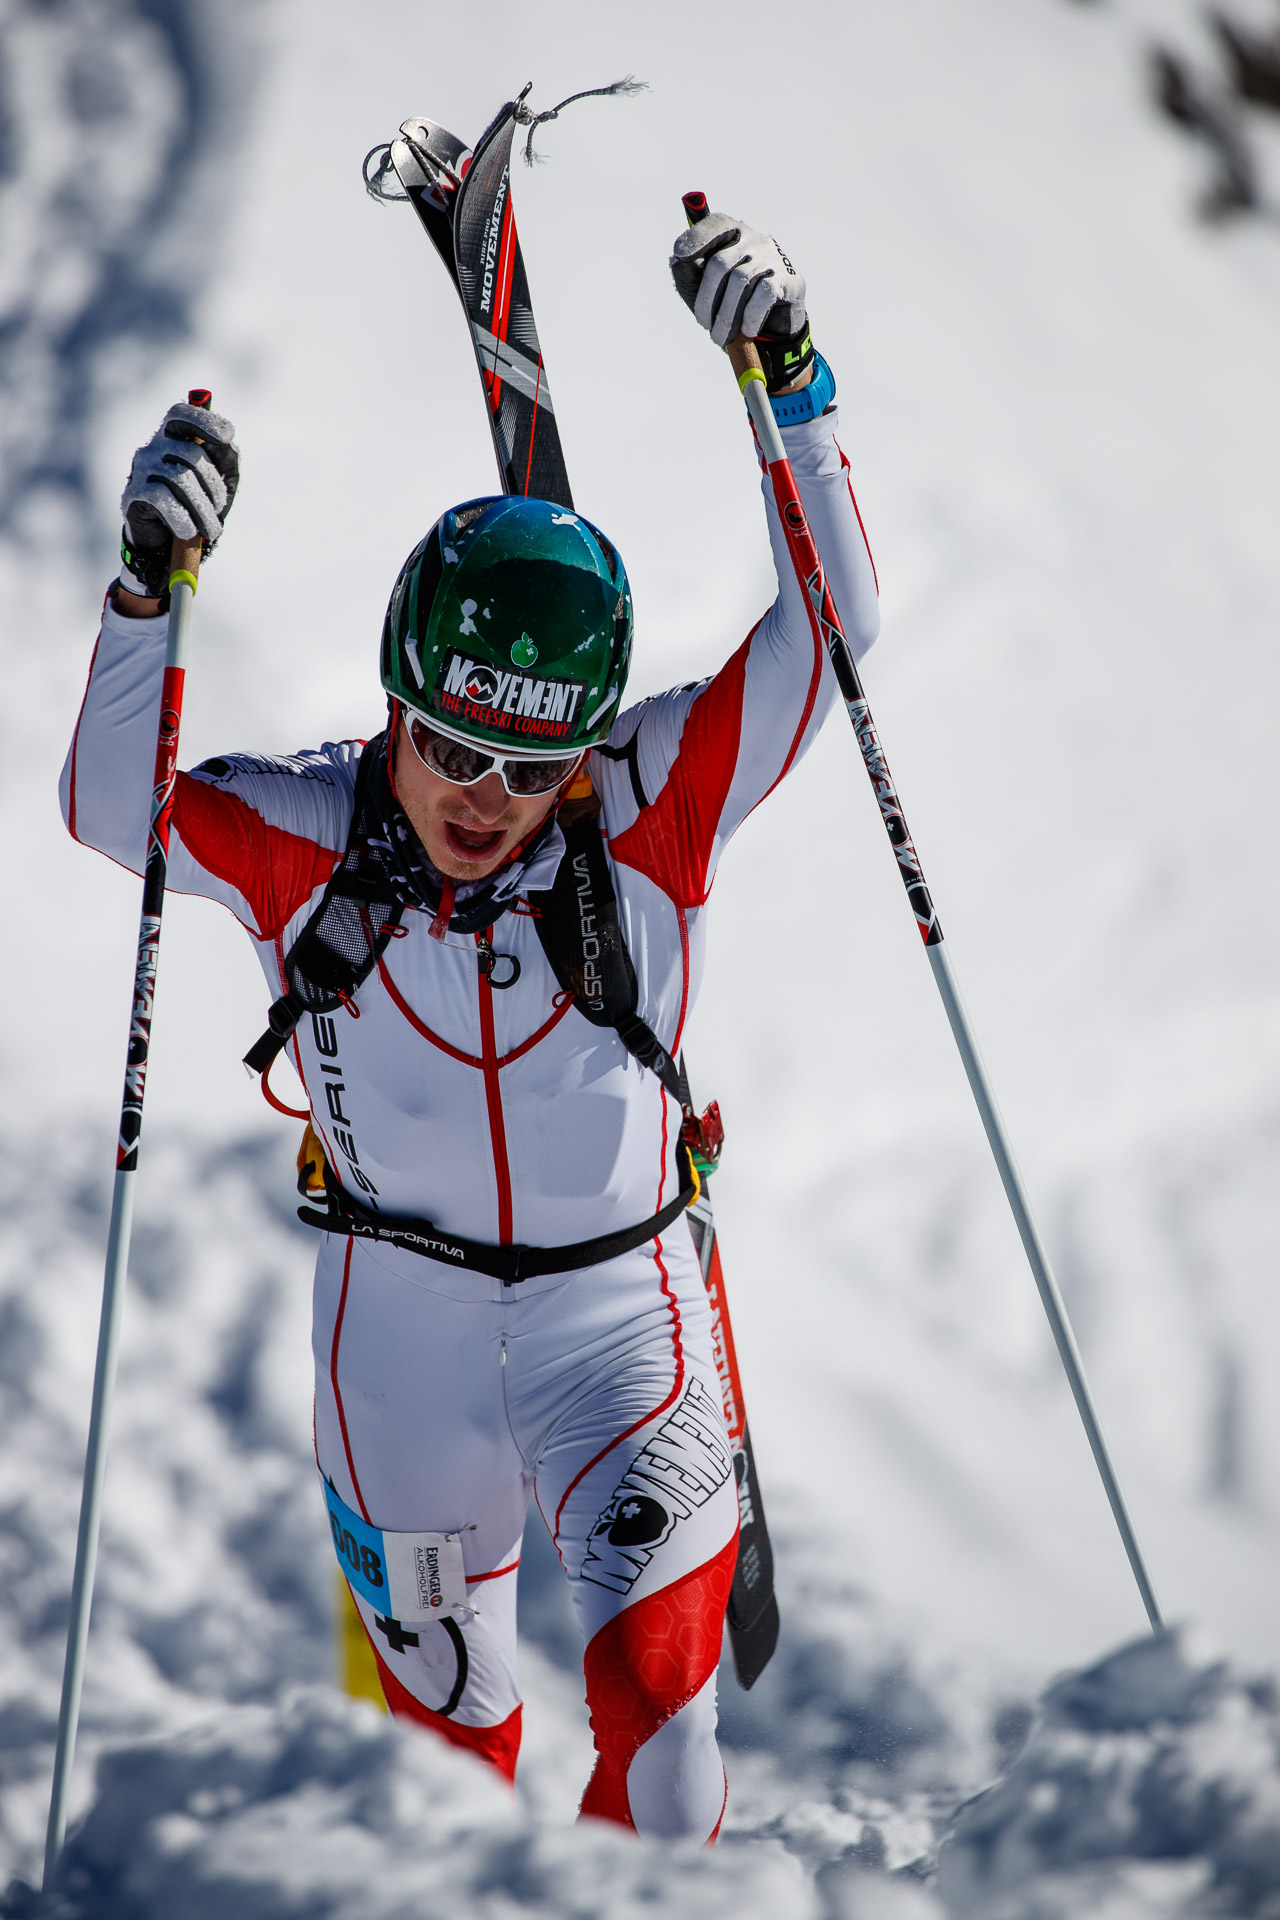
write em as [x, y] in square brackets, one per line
[1055, 333]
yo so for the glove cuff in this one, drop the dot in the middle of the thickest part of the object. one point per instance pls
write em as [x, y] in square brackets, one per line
[785, 357]
[143, 570]
[790, 409]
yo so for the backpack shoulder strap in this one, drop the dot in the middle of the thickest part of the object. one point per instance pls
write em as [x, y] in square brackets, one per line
[581, 934]
[339, 946]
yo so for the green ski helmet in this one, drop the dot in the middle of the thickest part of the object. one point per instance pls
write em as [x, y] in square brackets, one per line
[510, 625]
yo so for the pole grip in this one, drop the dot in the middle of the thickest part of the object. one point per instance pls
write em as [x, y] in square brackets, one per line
[744, 358]
[185, 555]
[184, 559]
[743, 354]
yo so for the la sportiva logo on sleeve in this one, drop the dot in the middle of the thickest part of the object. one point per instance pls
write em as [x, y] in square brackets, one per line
[507, 700]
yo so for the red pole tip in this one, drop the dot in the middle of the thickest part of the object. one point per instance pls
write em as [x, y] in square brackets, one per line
[199, 397]
[695, 205]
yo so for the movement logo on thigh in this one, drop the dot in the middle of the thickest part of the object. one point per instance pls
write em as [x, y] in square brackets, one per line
[674, 1473]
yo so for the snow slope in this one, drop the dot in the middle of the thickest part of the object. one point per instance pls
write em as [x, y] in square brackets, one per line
[1057, 391]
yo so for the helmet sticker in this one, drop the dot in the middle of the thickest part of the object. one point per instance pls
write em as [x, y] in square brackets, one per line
[495, 605]
[479, 684]
[475, 693]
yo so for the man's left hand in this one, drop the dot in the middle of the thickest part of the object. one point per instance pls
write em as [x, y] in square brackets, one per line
[736, 280]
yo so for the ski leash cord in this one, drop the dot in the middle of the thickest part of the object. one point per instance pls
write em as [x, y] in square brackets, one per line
[463, 200]
[376, 181]
[825, 621]
[525, 117]
[184, 567]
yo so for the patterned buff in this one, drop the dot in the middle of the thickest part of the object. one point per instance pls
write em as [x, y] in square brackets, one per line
[475, 904]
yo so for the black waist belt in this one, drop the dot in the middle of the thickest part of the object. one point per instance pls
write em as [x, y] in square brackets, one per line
[508, 1264]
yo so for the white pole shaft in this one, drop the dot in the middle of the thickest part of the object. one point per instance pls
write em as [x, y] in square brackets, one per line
[113, 1288]
[1041, 1271]
[104, 1380]
[775, 453]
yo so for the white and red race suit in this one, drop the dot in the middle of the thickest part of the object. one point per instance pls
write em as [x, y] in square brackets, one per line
[445, 1399]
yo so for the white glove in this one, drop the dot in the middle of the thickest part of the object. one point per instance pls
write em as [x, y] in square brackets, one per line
[177, 490]
[736, 280]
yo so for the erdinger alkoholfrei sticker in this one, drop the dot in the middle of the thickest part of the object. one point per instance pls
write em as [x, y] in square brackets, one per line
[526, 705]
[674, 1472]
[406, 1576]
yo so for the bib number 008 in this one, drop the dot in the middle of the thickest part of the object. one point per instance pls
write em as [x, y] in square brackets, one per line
[409, 1576]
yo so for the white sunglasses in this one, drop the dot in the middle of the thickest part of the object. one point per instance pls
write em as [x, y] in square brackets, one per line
[462, 765]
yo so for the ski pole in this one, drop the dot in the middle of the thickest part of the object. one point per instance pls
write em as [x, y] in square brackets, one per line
[184, 566]
[807, 562]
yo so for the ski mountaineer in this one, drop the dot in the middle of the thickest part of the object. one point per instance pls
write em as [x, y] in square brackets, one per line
[484, 932]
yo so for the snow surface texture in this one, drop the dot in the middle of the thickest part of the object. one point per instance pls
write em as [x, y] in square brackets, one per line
[1058, 391]
[117, 119]
[1150, 1785]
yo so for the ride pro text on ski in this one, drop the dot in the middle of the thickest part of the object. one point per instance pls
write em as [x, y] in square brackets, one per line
[508, 1306]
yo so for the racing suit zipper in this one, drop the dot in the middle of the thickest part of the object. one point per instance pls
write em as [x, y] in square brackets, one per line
[493, 1096]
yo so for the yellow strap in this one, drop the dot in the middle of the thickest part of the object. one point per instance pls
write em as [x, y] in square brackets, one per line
[750, 374]
[357, 1667]
[182, 576]
[311, 1162]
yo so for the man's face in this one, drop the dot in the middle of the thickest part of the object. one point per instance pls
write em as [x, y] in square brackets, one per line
[468, 832]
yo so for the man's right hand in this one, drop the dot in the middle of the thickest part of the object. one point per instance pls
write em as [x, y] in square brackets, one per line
[178, 488]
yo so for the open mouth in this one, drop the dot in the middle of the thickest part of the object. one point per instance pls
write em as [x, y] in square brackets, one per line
[470, 843]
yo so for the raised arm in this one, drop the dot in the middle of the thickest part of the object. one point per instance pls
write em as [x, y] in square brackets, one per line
[701, 757]
[257, 834]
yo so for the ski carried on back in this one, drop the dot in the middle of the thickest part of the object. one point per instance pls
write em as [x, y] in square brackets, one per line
[753, 1608]
[463, 199]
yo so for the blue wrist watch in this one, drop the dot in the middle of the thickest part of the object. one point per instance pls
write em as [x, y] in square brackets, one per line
[789, 409]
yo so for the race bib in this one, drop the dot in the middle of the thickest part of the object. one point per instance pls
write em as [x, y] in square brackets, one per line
[407, 1576]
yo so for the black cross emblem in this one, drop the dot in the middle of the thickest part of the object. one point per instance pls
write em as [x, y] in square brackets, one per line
[397, 1638]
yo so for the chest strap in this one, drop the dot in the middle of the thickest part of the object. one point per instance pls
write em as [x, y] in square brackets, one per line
[577, 924]
[511, 1265]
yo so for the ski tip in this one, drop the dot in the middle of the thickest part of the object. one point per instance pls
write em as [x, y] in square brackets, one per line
[695, 206]
[199, 397]
[752, 1647]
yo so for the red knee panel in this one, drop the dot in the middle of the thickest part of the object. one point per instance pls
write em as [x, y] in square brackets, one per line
[643, 1666]
[498, 1745]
